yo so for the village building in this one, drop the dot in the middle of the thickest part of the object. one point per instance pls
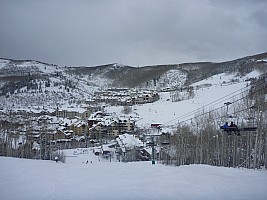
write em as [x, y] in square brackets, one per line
[106, 126]
[72, 113]
[124, 97]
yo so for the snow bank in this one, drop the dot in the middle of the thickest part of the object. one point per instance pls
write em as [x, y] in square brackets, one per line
[36, 179]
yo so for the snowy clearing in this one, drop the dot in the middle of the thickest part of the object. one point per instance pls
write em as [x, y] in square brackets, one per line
[101, 179]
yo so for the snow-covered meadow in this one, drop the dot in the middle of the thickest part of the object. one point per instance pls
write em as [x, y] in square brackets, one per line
[100, 179]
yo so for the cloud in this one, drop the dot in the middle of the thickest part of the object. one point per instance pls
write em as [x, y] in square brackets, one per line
[133, 32]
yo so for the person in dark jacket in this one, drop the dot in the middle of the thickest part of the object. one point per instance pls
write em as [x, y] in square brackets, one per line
[234, 127]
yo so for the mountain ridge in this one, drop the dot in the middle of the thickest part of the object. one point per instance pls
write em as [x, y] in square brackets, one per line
[23, 75]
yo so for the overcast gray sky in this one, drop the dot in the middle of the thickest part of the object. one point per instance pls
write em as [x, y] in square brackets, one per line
[132, 32]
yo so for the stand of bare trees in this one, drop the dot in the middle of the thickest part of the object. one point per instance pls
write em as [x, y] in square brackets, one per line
[17, 137]
[201, 141]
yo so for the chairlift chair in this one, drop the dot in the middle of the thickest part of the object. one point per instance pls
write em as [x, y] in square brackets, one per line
[237, 130]
[150, 142]
[165, 139]
[250, 125]
[165, 142]
[230, 130]
[249, 129]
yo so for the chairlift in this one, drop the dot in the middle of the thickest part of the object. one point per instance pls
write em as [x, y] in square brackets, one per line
[251, 126]
[249, 129]
[237, 130]
[231, 130]
[165, 139]
[165, 142]
[150, 142]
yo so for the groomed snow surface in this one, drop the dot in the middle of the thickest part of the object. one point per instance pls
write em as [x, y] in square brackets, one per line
[101, 179]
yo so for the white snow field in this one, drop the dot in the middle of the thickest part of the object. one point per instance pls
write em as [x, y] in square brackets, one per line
[23, 179]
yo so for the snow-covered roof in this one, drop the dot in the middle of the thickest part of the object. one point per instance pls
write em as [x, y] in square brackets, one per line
[127, 141]
[107, 119]
[72, 109]
[105, 147]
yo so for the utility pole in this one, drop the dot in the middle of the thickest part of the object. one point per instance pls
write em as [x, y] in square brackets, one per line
[153, 151]
[256, 156]
[84, 134]
[227, 104]
[153, 144]
[265, 153]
